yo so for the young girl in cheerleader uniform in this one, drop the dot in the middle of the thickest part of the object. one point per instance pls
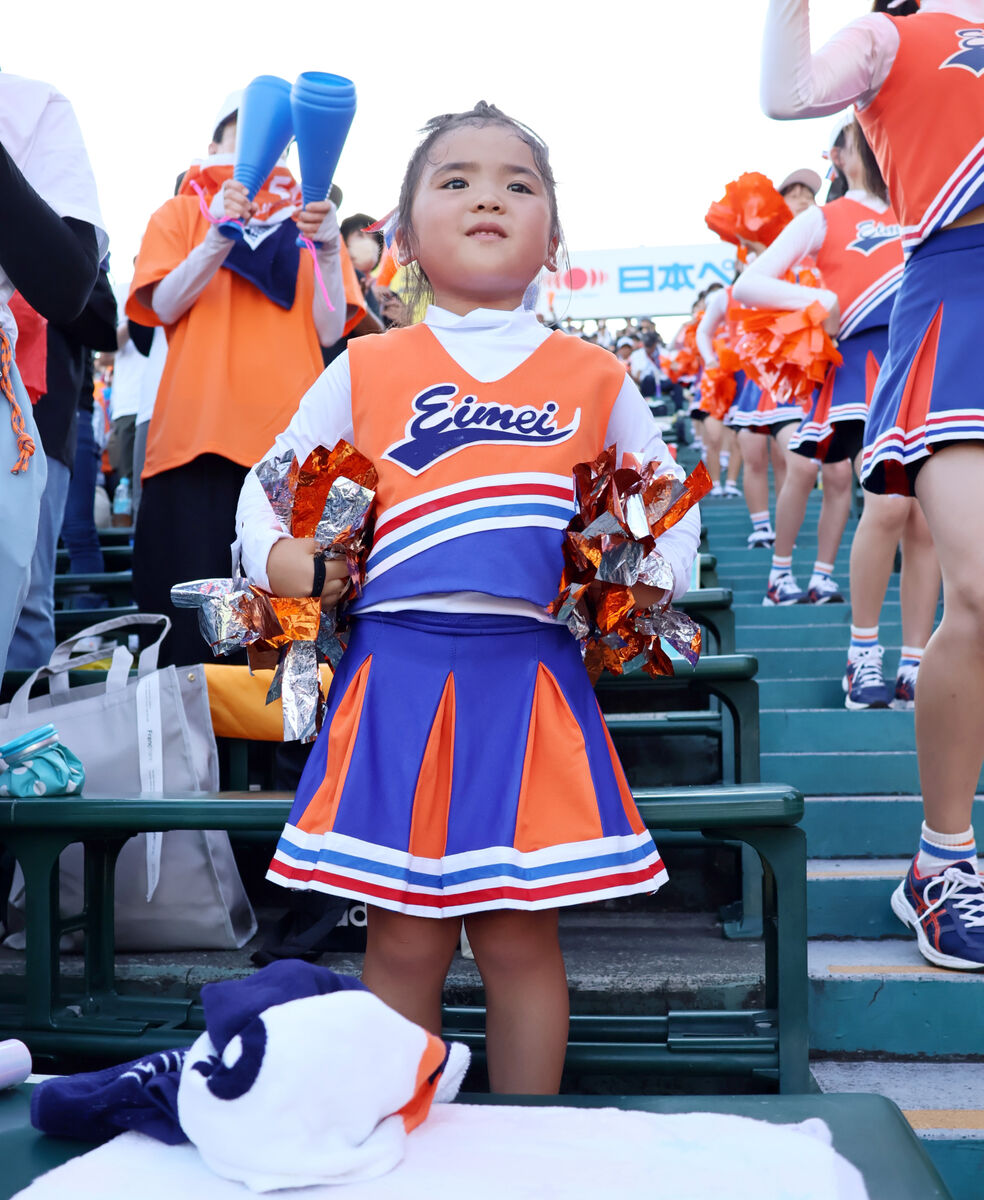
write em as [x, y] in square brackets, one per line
[464, 771]
[917, 82]
[764, 428]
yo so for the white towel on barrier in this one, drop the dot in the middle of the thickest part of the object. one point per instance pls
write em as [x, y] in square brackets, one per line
[487, 1152]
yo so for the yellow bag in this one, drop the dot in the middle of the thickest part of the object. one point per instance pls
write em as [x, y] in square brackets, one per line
[237, 701]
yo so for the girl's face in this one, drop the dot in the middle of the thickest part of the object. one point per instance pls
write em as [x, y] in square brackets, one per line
[481, 218]
[799, 198]
[363, 250]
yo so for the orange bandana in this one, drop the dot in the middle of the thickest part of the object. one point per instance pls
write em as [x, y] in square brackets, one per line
[279, 190]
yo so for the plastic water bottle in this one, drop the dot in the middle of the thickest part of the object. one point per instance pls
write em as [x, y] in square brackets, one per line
[122, 503]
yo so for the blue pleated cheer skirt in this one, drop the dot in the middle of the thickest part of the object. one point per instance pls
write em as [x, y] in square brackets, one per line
[464, 765]
[929, 391]
[746, 414]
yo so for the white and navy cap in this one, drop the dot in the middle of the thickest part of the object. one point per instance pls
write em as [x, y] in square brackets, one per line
[318, 1090]
[227, 108]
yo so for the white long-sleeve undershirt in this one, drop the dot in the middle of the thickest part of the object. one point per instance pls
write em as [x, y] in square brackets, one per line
[849, 69]
[714, 314]
[488, 344]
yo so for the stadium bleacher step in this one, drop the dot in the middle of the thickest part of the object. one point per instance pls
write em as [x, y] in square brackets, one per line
[849, 897]
[821, 635]
[837, 772]
[623, 963]
[818, 730]
[868, 826]
[943, 1102]
[882, 998]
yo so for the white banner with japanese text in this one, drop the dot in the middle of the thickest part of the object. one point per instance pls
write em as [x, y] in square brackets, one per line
[648, 281]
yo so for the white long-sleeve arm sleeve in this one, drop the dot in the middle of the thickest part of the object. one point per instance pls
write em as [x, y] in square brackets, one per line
[714, 314]
[631, 427]
[761, 284]
[849, 69]
[174, 294]
[323, 416]
[329, 323]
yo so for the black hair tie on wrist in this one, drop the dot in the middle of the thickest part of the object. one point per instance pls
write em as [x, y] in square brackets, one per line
[319, 576]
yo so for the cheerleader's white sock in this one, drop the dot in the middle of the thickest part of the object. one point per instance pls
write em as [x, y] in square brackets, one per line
[937, 851]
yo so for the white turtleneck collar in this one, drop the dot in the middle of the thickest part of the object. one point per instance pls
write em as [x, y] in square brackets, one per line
[487, 342]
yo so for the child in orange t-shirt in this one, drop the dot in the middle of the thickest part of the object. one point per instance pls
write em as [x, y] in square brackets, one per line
[245, 324]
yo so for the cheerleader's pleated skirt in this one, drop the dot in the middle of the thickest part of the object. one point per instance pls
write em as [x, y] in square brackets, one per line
[833, 428]
[929, 392]
[464, 765]
[746, 413]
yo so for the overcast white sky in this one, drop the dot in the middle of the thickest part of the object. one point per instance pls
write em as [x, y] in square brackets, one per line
[649, 107]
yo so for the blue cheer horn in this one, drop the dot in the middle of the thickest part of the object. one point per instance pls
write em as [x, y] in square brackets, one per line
[322, 107]
[264, 128]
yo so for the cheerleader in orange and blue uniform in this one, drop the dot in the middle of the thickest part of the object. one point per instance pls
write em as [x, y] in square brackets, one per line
[464, 770]
[916, 81]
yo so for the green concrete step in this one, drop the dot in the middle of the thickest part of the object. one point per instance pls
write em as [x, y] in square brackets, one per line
[882, 998]
[856, 827]
[823, 692]
[806, 663]
[618, 962]
[748, 594]
[752, 613]
[835, 773]
[849, 897]
[807, 634]
[813, 730]
[943, 1102]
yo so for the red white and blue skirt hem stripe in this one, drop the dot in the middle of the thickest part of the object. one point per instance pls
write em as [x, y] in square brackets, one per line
[464, 765]
[843, 398]
[928, 393]
[499, 877]
[746, 414]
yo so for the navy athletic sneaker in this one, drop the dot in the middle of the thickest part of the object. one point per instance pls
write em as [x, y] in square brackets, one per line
[946, 913]
[825, 591]
[864, 683]
[905, 688]
[784, 591]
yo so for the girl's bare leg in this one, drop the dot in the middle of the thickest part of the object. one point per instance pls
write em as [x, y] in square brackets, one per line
[950, 695]
[730, 443]
[519, 958]
[407, 960]
[755, 454]
[801, 475]
[780, 456]
[712, 444]
[838, 479]
[876, 538]
[919, 586]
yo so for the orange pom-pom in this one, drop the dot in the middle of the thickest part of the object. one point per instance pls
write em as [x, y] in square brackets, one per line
[786, 353]
[751, 210]
[717, 384]
[684, 361]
